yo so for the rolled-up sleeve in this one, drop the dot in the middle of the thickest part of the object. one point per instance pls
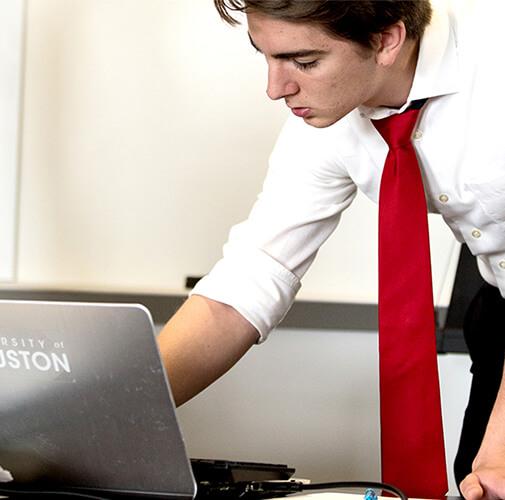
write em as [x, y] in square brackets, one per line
[305, 191]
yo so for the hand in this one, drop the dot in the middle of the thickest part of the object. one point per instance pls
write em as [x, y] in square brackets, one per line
[484, 483]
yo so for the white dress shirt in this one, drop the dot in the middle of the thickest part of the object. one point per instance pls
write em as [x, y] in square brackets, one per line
[314, 173]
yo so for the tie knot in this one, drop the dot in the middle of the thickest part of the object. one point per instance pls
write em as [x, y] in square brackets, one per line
[396, 130]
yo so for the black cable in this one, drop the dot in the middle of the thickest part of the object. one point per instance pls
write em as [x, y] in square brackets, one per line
[357, 484]
[245, 490]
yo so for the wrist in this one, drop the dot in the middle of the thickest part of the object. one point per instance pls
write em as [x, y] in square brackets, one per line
[490, 453]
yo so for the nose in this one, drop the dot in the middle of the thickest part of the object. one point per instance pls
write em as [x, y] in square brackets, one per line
[280, 83]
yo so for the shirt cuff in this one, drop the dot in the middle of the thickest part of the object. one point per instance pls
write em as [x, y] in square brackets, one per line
[255, 285]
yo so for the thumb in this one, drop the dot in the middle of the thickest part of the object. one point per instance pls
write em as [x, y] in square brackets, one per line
[471, 488]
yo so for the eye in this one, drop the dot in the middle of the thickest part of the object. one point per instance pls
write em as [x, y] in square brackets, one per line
[304, 66]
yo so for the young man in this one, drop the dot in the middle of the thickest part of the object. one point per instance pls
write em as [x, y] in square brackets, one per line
[338, 65]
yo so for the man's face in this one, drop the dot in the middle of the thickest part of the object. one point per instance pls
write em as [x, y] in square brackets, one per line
[321, 78]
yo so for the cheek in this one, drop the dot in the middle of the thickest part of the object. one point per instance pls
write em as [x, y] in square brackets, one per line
[354, 85]
[339, 90]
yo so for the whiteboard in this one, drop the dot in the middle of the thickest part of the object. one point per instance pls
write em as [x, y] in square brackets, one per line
[11, 57]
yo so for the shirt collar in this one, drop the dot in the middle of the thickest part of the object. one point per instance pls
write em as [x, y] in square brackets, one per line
[437, 70]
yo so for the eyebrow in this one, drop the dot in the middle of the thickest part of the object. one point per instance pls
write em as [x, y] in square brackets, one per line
[290, 55]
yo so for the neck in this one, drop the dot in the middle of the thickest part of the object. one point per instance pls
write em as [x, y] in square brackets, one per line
[399, 77]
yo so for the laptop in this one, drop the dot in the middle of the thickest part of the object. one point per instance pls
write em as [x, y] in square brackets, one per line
[85, 404]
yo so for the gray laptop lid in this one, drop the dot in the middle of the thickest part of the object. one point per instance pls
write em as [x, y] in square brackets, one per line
[84, 400]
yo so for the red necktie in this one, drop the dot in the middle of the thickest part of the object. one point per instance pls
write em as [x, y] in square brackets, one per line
[412, 442]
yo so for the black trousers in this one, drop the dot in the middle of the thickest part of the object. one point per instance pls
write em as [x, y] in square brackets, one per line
[484, 331]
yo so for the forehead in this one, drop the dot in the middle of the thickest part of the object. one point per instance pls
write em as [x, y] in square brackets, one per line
[271, 35]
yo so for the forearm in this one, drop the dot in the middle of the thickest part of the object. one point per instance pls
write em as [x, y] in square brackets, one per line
[487, 479]
[493, 443]
[202, 341]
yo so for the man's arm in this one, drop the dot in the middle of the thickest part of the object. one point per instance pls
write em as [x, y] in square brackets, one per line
[202, 341]
[487, 480]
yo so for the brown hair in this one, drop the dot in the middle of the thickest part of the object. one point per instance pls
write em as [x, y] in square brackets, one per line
[356, 20]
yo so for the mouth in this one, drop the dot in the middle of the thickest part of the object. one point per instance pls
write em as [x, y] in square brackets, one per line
[301, 112]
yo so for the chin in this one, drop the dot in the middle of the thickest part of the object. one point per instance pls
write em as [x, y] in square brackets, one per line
[319, 122]
[327, 119]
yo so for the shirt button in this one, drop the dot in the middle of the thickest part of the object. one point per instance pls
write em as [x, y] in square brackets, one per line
[476, 233]
[443, 198]
[418, 134]
[502, 264]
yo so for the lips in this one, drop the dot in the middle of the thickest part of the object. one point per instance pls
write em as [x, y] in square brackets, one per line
[301, 112]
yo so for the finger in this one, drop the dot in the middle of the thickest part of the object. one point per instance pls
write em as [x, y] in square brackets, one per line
[471, 488]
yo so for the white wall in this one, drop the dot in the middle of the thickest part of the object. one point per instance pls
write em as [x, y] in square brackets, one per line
[146, 135]
[11, 64]
[136, 120]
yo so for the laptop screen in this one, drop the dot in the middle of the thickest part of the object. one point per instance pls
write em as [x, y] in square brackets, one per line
[84, 401]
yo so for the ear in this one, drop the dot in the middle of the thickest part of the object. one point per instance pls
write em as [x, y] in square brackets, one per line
[389, 43]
